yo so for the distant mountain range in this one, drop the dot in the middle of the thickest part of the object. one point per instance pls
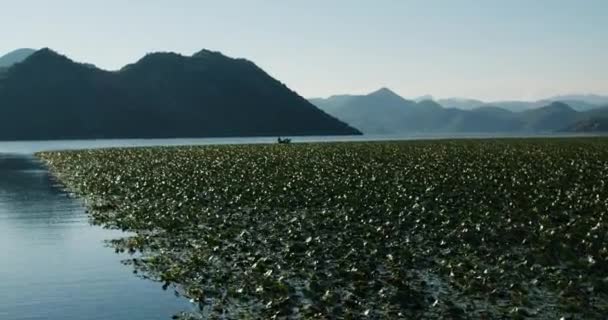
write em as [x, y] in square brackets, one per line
[385, 112]
[45, 95]
[577, 102]
[591, 99]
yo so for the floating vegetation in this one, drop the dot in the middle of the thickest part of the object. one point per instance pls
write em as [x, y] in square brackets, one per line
[441, 229]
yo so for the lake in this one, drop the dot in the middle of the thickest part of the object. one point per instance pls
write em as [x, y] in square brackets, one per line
[29, 147]
[55, 265]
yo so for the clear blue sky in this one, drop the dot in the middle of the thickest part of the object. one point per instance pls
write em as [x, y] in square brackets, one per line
[489, 49]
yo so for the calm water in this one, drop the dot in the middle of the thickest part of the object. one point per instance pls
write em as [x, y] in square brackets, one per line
[29, 147]
[53, 263]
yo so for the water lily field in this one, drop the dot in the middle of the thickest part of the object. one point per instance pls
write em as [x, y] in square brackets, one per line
[456, 229]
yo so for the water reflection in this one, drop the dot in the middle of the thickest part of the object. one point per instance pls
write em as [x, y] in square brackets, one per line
[29, 195]
[53, 264]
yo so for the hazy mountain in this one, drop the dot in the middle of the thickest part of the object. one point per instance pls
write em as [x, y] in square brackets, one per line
[424, 97]
[384, 112]
[599, 124]
[333, 102]
[576, 102]
[549, 118]
[49, 96]
[591, 99]
[461, 103]
[16, 56]
[379, 112]
[518, 106]
[486, 119]
[577, 105]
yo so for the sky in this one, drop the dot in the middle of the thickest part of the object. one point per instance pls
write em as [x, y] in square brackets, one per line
[485, 49]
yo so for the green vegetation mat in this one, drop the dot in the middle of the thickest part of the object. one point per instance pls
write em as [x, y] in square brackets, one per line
[435, 229]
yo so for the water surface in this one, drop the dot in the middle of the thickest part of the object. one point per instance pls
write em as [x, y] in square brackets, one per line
[54, 264]
[29, 147]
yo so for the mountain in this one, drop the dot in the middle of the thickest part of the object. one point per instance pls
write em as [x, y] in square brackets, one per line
[520, 106]
[589, 125]
[517, 106]
[333, 102]
[591, 99]
[461, 103]
[16, 56]
[380, 112]
[485, 119]
[163, 95]
[577, 103]
[549, 118]
[424, 97]
[470, 104]
[384, 112]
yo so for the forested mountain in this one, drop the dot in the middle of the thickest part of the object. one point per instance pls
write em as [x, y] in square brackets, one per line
[49, 96]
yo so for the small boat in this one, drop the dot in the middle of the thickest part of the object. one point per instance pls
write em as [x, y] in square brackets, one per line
[284, 141]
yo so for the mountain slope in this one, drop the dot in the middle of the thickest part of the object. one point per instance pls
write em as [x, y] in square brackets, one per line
[16, 56]
[591, 99]
[577, 102]
[595, 120]
[331, 103]
[589, 125]
[162, 95]
[461, 103]
[578, 105]
[380, 112]
[549, 118]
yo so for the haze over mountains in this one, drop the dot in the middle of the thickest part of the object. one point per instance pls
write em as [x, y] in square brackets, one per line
[385, 112]
[45, 95]
[577, 102]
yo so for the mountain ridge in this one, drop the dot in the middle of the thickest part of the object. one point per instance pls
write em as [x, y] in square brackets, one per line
[162, 95]
[429, 116]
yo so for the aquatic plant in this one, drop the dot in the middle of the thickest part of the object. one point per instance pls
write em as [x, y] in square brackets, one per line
[427, 229]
